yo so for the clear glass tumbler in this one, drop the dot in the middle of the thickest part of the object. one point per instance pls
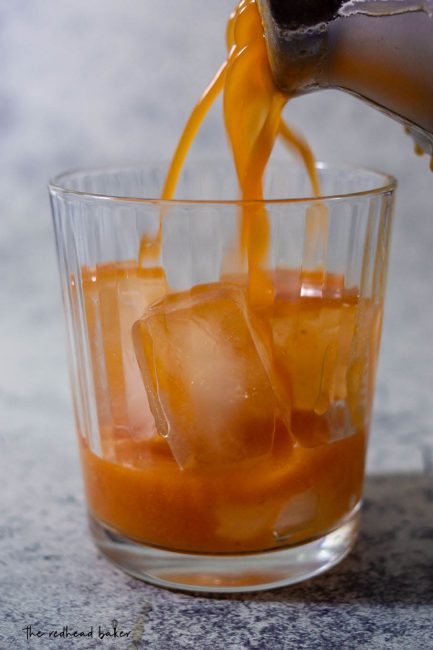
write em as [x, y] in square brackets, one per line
[222, 397]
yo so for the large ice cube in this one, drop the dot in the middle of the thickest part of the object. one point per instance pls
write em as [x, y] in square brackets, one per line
[312, 346]
[115, 296]
[306, 347]
[206, 369]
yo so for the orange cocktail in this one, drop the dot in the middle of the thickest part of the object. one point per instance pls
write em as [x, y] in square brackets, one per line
[223, 376]
[244, 429]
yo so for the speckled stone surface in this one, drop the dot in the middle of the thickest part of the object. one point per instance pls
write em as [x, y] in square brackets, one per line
[144, 64]
[51, 575]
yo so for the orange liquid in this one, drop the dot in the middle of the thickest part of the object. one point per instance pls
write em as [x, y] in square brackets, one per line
[298, 487]
[257, 442]
[253, 118]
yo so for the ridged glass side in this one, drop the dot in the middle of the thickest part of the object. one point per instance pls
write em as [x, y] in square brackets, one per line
[105, 291]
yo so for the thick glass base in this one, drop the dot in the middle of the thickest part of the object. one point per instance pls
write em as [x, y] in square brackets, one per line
[227, 573]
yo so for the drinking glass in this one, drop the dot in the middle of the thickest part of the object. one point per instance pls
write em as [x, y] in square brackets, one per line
[222, 359]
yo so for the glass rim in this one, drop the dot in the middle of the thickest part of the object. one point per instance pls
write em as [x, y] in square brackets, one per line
[58, 185]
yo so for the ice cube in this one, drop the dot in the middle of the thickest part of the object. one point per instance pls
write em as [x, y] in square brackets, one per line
[305, 346]
[206, 369]
[312, 346]
[115, 296]
[299, 512]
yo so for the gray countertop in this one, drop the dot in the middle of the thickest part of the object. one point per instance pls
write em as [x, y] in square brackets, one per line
[51, 117]
[381, 596]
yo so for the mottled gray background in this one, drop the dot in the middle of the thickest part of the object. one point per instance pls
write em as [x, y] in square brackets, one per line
[85, 83]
